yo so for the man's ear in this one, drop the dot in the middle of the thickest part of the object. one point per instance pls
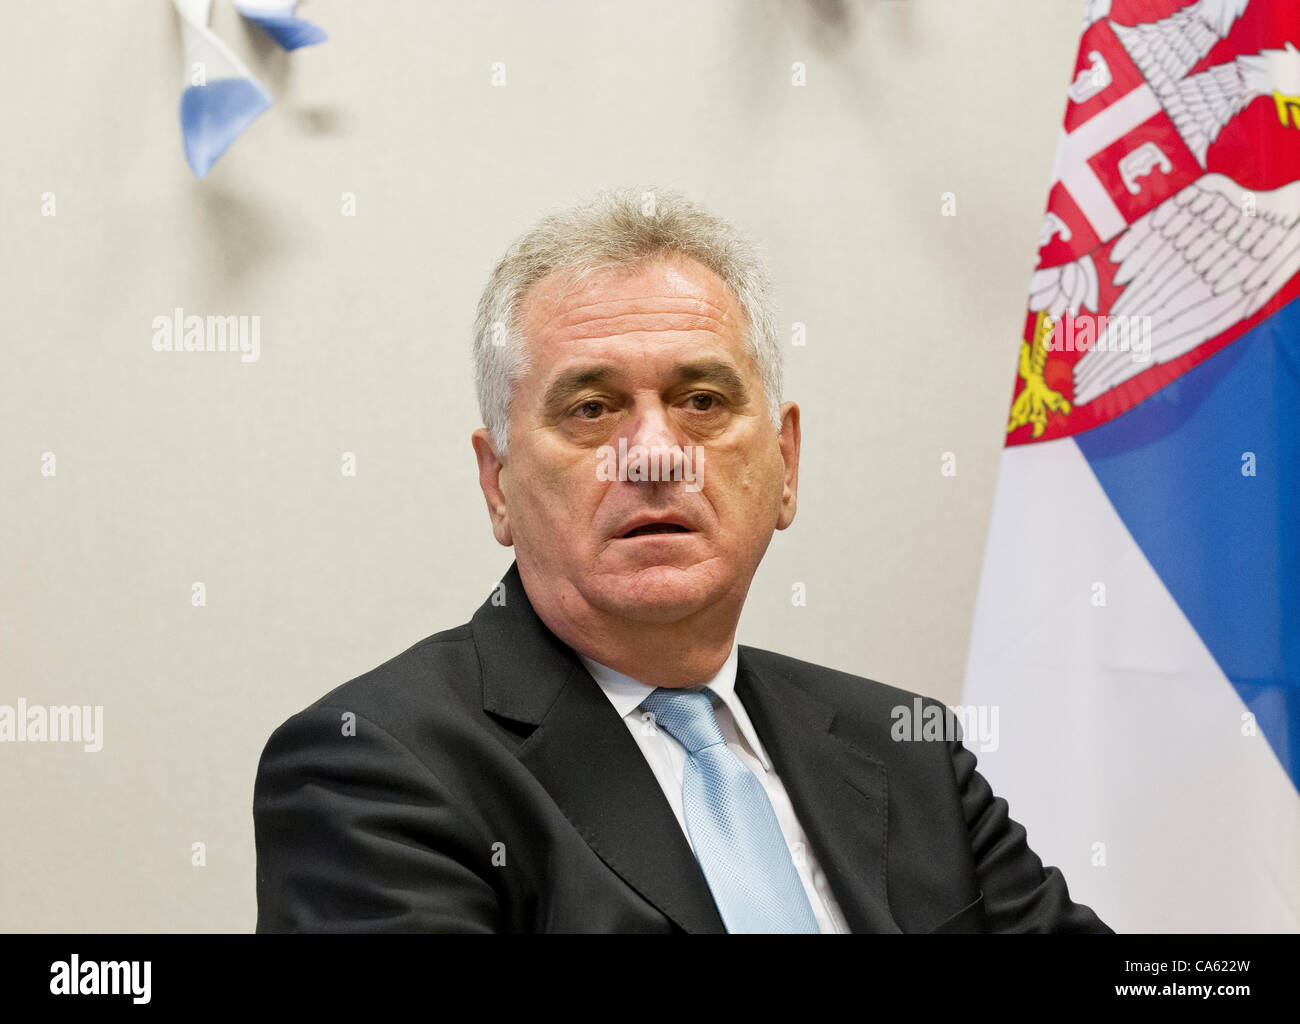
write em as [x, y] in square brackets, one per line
[490, 467]
[789, 440]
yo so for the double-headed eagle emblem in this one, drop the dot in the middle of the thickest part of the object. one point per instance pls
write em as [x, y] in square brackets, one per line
[1195, 253]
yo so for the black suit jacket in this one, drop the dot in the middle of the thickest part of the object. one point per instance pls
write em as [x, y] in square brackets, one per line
[482, 782]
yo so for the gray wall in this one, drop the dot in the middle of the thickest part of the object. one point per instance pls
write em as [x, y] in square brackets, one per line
[176, 468]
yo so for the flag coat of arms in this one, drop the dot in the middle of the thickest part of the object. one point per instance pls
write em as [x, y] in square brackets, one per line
[1138, 618]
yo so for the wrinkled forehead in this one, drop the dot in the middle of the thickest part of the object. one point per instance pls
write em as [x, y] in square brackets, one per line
[671, 295]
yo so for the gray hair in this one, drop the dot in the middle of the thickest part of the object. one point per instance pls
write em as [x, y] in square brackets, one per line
[622, 230]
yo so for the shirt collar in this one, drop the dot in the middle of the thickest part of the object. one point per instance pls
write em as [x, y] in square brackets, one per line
[626, 694]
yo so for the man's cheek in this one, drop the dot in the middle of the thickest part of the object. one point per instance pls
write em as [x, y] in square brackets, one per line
[552, 480]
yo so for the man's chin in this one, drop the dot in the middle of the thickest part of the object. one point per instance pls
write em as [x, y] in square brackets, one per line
[657, 593]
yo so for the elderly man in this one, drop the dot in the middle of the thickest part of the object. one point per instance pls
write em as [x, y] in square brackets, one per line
[592, 751]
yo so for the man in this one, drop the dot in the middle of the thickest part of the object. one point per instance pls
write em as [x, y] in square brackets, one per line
[593, 752]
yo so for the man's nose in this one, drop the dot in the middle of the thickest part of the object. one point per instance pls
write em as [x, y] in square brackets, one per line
[653, 429]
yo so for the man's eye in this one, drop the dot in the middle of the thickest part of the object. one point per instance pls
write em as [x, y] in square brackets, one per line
[589, 410]
[703, 401]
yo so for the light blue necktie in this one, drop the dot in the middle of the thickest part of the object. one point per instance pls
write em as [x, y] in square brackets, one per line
[732, 826]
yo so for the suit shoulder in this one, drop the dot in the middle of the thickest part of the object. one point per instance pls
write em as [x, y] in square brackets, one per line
[407, 687]
[843, 690]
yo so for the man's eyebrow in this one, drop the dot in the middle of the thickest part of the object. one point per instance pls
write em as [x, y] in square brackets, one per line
[722, 374]
[569, 383]
[566, 384]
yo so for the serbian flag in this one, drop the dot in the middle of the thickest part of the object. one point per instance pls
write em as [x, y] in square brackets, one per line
[1138, 619]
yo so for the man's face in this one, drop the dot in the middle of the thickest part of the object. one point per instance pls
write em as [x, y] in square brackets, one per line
[653, 358]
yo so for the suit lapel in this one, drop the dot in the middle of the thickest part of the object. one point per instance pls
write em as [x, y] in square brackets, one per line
[839, 792]
[583, 754]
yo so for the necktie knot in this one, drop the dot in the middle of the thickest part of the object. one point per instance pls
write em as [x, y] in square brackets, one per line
[687, 716]
[733, 829]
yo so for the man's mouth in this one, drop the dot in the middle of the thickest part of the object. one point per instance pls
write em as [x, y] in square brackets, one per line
[653, 528]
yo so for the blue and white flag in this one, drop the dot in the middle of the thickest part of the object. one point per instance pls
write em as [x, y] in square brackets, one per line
[278, 18]
[222, 97]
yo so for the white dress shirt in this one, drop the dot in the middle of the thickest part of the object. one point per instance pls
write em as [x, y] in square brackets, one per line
[667, 759]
